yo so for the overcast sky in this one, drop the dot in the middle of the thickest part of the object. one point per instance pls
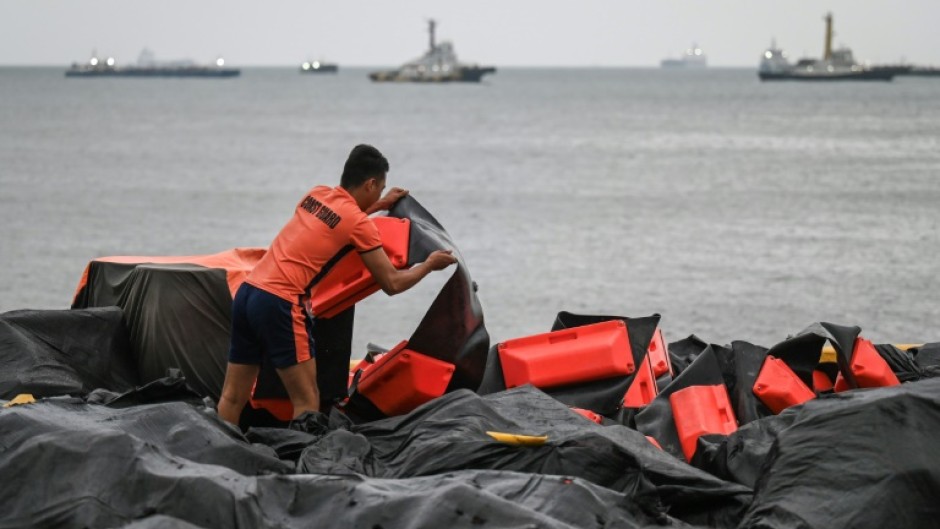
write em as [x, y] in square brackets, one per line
[502, 33]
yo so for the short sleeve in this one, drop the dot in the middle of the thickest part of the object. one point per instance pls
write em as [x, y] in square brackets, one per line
[365, 236]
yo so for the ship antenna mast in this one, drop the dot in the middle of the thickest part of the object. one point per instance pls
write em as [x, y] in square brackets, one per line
[827, 52]
[431, 24]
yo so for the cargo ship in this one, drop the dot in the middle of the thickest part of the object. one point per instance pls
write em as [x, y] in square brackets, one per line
[835, 65]
[438, 65]
[148, 67]
[693, 58]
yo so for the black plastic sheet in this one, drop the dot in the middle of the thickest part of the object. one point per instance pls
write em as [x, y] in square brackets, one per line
[861, 459]
[449, 434]
[64, 352]
[81, 465]
[178, 317]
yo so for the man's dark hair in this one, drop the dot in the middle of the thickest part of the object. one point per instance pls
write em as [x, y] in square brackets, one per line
[364, 162]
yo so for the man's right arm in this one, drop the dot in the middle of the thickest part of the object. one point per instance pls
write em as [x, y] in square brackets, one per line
[394, 281]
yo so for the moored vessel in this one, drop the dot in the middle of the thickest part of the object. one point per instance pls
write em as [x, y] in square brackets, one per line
[693, 58]
[147, 66]
[318, 67]
[438, 65]
[835, 65]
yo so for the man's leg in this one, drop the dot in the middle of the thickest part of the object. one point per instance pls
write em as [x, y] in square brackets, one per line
[236, 390]
[300, 380]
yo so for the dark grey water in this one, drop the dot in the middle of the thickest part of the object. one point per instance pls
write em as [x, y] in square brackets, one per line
[737, 210]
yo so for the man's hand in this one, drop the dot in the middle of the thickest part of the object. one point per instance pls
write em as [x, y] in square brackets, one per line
[440, 259]
[393, 195]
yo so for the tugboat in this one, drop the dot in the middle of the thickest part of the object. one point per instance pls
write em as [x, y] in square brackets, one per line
[318, 67]
[148, 67]
[694, 58]
[438, 65]
[836, 65]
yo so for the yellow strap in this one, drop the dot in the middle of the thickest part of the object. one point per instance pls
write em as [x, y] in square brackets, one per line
[22, 398]
[518, 440]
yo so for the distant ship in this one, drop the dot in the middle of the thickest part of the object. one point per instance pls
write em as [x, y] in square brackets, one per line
[836, 65]
[148, 67]
[438, 65]
[693, 58]
[318, 67]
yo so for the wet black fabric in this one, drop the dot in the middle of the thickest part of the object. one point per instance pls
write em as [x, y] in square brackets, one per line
[927, 357]
[861, 459]
[600, 396]
[740, 364]
[452, 329]
[64, 352]
[179, 429]
[449, 434]
[683, 352]
[81, 465]
[801, 352]
[172, 388]
[740, 456]
[178, 317]
[901, 363]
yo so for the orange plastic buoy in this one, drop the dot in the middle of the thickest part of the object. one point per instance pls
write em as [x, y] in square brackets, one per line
[567, 356]
[778, 387]
[349, 281]
[701, 410]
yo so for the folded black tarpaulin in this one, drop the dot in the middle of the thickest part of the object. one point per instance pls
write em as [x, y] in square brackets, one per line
[177, 310]
[862, 459]
[452, 329]
[449, 434]
[81, 465]
[64, 352]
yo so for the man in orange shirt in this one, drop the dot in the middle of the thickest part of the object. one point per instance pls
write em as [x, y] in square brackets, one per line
[268, 314]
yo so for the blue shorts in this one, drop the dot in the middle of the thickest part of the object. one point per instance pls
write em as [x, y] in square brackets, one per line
[266, 326]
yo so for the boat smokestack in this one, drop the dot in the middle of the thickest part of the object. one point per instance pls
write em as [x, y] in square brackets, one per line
[431, 24]
[827, 52]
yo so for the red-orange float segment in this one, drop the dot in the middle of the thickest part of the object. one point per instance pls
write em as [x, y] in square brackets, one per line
[403, 379]
[282, 409]
[868, 367]
[701, 410]
[349, 281]
[658, 354]
[588, 414]
[778, 387]
[821, 381]
[567, 356]
[642, 388]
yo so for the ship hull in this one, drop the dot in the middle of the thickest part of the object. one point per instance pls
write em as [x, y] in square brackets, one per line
[323, 68]
[155, 72]
[864, 75]
[470, 74]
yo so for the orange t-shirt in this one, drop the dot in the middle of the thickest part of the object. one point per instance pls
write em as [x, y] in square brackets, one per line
[326, 224]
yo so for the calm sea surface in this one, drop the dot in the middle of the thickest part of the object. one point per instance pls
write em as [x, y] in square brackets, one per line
[737, 210]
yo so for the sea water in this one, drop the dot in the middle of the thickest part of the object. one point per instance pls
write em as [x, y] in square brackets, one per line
[738, 210]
